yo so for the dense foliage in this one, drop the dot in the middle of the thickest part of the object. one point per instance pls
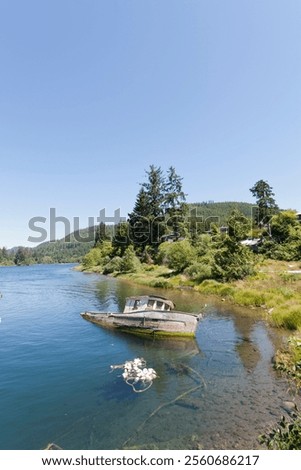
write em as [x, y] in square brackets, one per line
[284, 242]
[201, 241]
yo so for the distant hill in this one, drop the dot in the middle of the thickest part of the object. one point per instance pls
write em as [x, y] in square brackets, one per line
[69, 249]
[221, 210]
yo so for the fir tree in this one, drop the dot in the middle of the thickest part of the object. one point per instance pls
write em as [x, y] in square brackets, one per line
[154, 189]
[266, 204]
[174, 201]
[121, 239]
[100, 234]
[139, 221]
[146, 220]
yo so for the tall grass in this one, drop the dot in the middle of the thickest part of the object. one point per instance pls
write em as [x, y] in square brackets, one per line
[287, 316]
[249, 298]
[215, 288]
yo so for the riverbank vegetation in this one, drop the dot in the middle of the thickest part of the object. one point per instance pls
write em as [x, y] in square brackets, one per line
[252, 260]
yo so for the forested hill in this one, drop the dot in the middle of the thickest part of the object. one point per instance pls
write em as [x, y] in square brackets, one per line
[60, 251]
[70, 249]
[221, 210]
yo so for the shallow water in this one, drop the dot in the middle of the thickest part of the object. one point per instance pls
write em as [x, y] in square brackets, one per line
[218, 391]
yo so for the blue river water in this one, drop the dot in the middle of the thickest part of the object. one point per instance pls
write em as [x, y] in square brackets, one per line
[218, 391]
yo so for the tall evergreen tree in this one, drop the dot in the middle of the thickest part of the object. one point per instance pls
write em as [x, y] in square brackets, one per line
[140, 220]
[154, 188]
[266, 204]
[100, 234]
[174, 201]
[120, 239]
[146, 220]
[160, 207]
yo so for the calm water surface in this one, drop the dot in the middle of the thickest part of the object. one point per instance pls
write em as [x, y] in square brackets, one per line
[217, 392]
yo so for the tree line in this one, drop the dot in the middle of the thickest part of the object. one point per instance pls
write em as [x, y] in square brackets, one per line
[58, 251]
[162, 229]
[202, 240]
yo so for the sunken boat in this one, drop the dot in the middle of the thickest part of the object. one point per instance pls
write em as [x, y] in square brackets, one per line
[151, 315]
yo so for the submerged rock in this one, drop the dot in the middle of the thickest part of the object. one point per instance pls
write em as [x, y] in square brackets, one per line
[289, 406]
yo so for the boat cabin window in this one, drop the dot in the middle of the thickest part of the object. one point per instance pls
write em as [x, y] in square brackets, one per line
[136, 304]
[144, 302]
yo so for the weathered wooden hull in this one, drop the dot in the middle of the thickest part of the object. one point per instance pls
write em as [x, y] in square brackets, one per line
[152, 323]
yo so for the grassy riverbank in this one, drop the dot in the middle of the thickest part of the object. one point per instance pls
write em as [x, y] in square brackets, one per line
[275, 288]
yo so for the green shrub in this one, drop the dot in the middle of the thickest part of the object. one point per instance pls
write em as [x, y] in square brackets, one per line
[93, 258]
[130, 262]
[114, 265]
[177, 255]
[285, 252]
[198, 272]
[285, 436]
[98, 256]
[232, 261]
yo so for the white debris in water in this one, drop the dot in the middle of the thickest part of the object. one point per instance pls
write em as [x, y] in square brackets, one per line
[136, 374]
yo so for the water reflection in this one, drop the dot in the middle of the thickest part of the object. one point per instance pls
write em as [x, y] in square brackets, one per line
[111, 294]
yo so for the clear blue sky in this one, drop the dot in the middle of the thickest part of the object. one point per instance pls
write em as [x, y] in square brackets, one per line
[94, 91]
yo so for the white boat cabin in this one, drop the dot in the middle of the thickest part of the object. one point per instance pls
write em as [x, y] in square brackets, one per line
[147, 302]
